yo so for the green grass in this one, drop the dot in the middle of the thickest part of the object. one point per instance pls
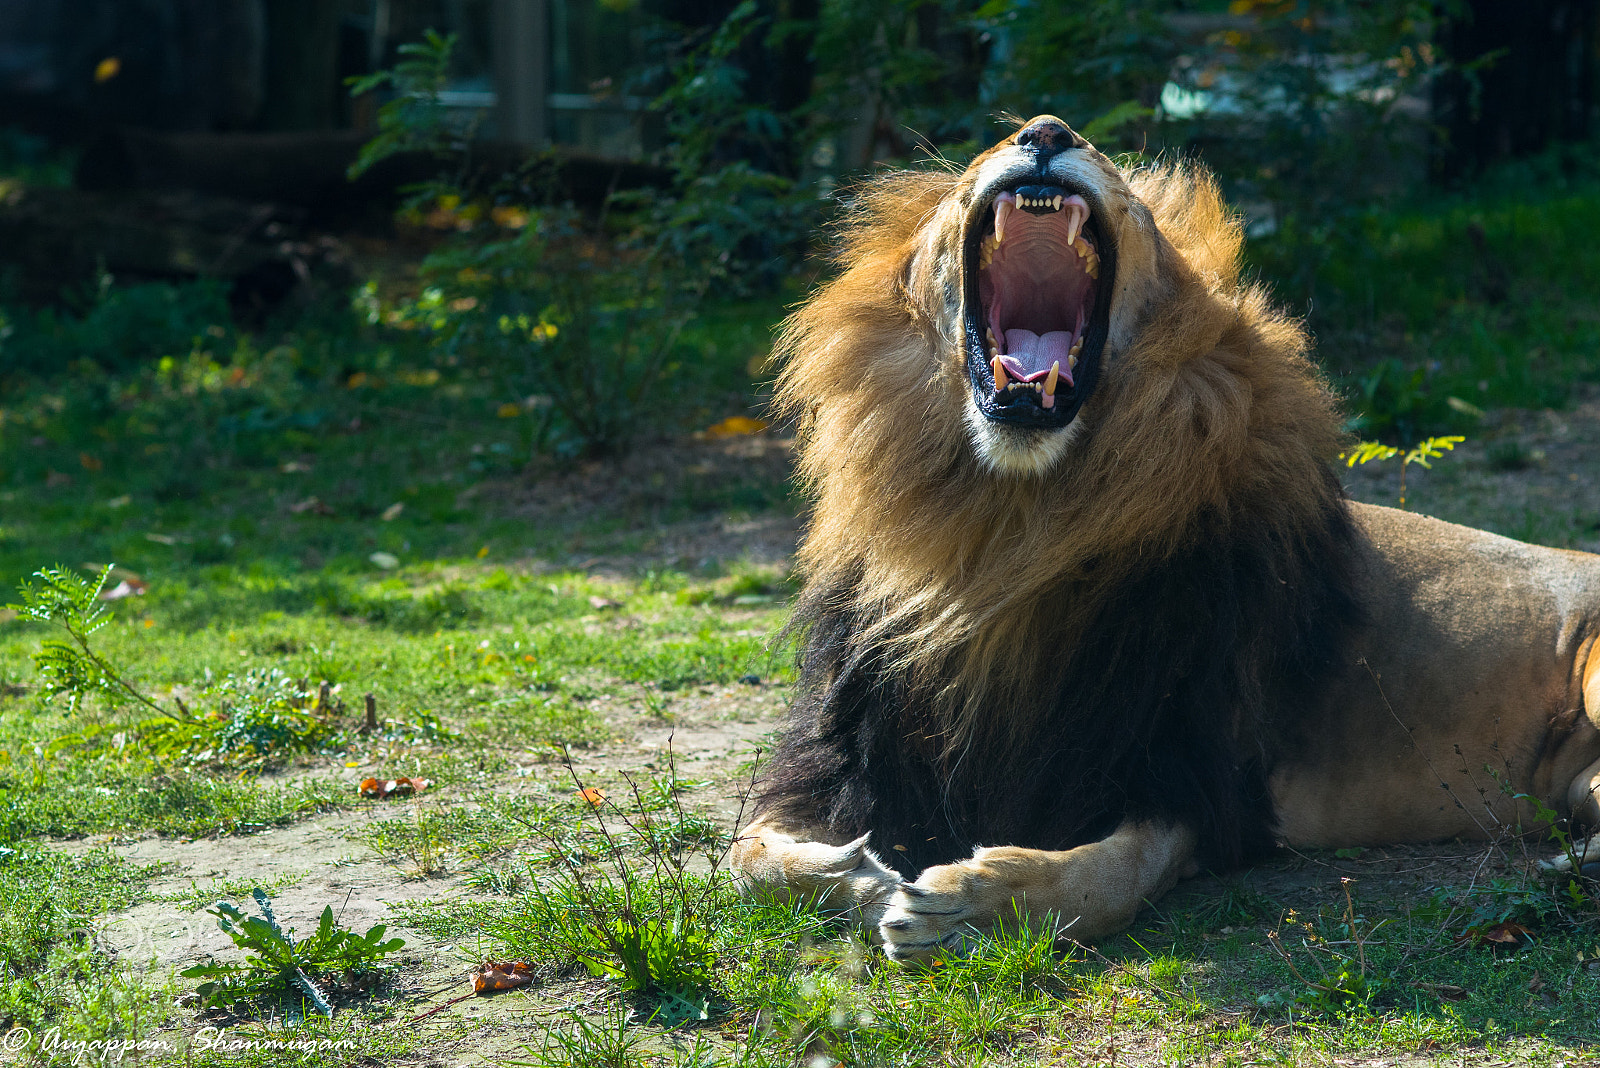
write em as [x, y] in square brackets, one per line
[1485, 296]
[1179, 987]
[51, 969]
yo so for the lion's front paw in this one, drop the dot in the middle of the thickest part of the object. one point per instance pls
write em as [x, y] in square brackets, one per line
[1587, 854]
[940, 911]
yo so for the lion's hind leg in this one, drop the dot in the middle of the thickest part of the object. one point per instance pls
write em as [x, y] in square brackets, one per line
[1092, 891]
[770, 862]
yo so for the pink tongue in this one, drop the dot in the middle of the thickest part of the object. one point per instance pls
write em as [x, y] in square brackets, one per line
[1029, 356]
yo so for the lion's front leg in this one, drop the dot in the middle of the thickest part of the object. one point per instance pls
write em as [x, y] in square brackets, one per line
[1093, 890]
[769, 861]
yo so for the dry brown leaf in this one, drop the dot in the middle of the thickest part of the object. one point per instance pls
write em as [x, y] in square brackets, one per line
[313, 505]
[1495, 936]
[383, 788]
[592, 796]
[128, 587]
[492, 976]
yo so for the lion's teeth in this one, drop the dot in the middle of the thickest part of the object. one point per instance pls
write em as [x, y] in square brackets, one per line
[999, 374]
[1077, 347]
[1057, 203]
[1050, 382]
[1072, 361]
[1093, 268]
[1002, 208]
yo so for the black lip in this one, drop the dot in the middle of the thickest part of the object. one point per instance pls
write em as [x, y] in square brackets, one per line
[1022, 412]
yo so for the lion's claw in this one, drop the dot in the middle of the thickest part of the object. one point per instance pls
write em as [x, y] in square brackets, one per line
[934, 913]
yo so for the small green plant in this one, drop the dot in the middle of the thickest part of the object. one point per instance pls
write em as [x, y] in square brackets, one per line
[259, 718]
[1345, 980]
[72, 668]
[642, 924]
[275, 963]
[1421, 453]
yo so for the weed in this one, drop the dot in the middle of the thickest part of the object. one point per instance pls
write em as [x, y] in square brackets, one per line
[275, 963]
[66, 600]
[1345, 979]
[645, 928]
[1421, 454]
[607, 1043]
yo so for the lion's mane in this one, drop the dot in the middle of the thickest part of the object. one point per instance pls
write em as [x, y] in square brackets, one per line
[992, 659]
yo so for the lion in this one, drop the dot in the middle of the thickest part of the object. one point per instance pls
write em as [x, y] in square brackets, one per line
[1085, 608]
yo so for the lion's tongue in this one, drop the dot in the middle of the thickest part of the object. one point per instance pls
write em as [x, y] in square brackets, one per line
[1028, 356]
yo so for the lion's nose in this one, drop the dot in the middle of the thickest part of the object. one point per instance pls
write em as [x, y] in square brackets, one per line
[1047, 137]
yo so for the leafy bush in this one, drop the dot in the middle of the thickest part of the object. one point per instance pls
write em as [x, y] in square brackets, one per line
[118, 328]
[257, 719]
[581, 314]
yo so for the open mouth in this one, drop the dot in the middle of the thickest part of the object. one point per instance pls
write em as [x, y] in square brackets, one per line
[1037, 263]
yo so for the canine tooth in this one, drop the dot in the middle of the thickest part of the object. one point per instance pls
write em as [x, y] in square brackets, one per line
[1074, 229]
[1001, 210]
[999, 374]
[1050, 382]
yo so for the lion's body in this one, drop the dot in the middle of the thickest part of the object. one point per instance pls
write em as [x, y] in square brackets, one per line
[1473, 663]
[1153, 635]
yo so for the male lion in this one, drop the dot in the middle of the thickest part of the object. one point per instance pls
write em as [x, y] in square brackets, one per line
[1085, 605]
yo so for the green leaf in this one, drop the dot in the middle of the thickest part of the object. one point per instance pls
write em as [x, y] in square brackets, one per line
[1432, 449]
[1368, 450]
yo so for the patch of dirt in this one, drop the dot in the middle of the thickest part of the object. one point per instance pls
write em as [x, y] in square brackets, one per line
[688, 503]
[707, 734]
[335, 870]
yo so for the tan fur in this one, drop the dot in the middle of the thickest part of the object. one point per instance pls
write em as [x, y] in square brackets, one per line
[1478, 652]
